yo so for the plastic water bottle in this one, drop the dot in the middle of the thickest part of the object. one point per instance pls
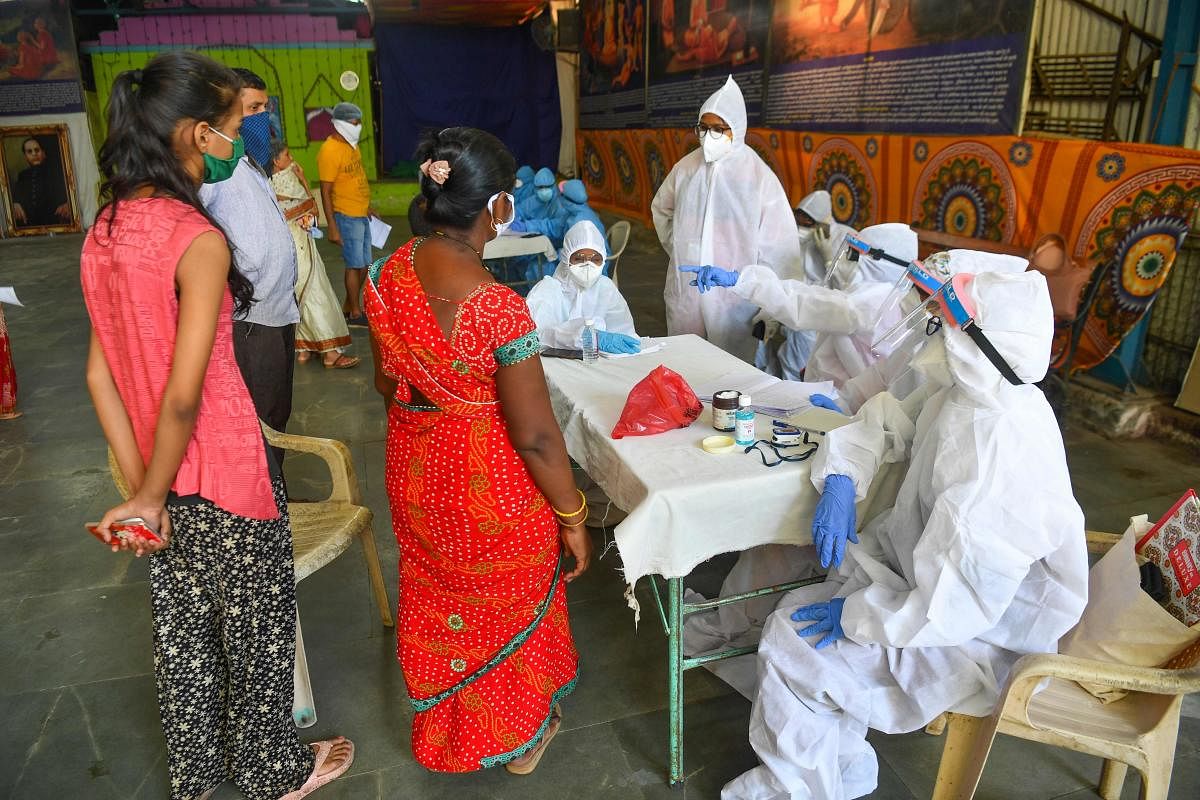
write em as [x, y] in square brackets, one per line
[590, 343]
[743, 422]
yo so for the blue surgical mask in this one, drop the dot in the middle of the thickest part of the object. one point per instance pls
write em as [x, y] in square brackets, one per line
[546, 194]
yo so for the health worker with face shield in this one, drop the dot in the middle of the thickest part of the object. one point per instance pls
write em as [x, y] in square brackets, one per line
[572, 208]
[844, 314]
[561, 303]
[821, 239]
[721, 204]
[982, 558]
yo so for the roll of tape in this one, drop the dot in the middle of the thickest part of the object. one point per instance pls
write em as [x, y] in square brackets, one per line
[718, 444]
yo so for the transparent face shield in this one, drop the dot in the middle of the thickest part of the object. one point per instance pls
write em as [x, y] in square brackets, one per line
[844, 269]
[946, 302]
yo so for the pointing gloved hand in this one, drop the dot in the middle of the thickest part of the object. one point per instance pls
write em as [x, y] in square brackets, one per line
[834, 520]
[611, 342]
[711, 277]
[826, 618]
[516, 226]
[822, 401]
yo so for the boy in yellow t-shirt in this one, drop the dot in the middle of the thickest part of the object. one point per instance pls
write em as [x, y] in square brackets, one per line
[346, 196]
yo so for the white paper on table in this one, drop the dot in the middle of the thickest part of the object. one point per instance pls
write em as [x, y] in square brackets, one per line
[790, 397]
[9, 295]
[379, 233]
[648, 346]
[746, 381]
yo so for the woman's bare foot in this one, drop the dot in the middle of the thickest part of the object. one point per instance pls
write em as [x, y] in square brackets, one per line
[302, 356]
[342, 750]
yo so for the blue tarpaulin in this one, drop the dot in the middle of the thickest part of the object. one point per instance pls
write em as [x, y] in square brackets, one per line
[496, 79]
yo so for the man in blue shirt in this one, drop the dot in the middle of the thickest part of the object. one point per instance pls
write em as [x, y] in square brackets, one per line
[264, 342]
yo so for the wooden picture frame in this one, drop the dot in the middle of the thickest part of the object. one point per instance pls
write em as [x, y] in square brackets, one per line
[47, 186]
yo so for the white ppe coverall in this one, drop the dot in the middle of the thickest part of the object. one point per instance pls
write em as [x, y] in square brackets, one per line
[560, 306]
[982, 559]
[732, 211]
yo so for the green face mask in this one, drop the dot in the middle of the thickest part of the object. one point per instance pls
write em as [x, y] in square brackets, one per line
[219, 169]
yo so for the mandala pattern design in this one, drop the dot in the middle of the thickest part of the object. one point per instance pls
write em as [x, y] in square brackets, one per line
[593, 165]
[656, 166]
[625, 170]
[807, 143]
[841, 169]
[774, 141]
[1110, 167]
[967, 191]
[1020, 153]
[760, 145]
[920, 152]
[872, 147]
[1134, 234]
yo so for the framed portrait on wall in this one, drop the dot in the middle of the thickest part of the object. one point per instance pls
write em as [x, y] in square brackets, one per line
[37, 181]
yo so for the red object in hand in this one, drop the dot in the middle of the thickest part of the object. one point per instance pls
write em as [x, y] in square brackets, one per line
[661, 401]
[132, 528]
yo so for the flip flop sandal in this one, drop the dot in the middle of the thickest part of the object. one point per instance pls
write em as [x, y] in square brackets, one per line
[315, 781]
[527, 764]
[342, 362]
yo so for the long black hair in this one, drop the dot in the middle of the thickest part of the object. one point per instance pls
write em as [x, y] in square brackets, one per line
[480, 166]
[144, 109]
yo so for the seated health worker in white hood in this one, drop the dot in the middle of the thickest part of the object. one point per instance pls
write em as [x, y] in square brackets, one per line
[722, 204]
[561, 303]
[982, 558]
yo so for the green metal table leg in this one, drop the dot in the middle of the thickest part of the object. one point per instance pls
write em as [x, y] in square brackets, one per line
[675, 674]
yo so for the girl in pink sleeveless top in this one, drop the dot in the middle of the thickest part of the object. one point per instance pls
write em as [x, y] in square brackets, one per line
[161, 291]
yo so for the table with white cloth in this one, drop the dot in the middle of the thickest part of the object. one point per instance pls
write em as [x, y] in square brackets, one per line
[684, 505]
[509, 246]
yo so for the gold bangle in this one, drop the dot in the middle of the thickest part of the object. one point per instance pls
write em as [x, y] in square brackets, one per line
[582, 507]
[582, 514]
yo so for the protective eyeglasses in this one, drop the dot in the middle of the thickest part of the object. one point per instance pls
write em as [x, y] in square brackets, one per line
[713, 132]
[581, 262]
[782, 457]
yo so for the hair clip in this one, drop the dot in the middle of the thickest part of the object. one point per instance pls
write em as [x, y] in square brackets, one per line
[436, 171]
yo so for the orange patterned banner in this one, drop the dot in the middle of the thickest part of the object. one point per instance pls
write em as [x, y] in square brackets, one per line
[1127, 206]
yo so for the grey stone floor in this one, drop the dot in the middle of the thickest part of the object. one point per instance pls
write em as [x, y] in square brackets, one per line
[77, 709]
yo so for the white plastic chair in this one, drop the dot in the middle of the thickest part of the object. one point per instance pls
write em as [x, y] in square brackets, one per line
[1139, 730]
[618, 238]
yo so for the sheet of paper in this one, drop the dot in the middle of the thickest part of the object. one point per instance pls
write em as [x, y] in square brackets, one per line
[746, 381]
[379, 233]
[9, 295]
[789, 397]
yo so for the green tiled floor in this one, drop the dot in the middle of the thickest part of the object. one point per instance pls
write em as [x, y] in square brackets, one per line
[77, 711]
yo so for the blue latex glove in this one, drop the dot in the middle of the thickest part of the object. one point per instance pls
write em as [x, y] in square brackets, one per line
[826, 618]
[821, 401]
[834, 520]
[711, 277]
[617, 342]
[517, 226]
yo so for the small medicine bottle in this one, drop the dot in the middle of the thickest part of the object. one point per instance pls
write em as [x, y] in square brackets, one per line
[744, 422]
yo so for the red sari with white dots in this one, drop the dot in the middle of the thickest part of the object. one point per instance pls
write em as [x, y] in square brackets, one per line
[484, 640]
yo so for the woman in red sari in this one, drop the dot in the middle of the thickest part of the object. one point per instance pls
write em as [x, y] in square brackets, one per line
[483, 503]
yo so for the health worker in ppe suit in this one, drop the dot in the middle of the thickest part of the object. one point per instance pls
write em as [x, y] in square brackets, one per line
[542, 200]
[523, 188]
[721, 204]
[843, 315]
[572, 208]
[821, 239]
[577, 291]
[982, 558]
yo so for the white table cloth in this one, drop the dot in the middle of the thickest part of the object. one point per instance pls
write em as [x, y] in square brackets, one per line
[685, 505]
[511, 246]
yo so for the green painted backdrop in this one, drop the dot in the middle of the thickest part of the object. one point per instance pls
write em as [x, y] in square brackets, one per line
[302, 76]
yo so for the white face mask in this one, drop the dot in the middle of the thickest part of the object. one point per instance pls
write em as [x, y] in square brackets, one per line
[498, 226]
[716, 149]
[349, 131]
[805, 234]
[585, 274]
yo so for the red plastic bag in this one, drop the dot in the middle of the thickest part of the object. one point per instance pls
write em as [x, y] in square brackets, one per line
[661, 401]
